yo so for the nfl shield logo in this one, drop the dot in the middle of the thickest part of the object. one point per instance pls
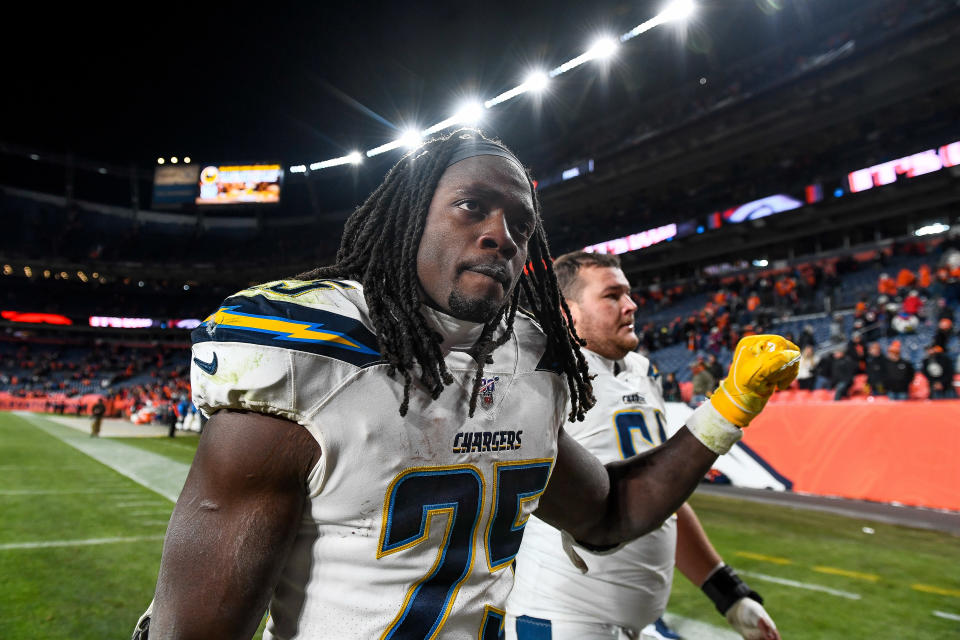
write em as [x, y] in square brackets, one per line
[487, 386]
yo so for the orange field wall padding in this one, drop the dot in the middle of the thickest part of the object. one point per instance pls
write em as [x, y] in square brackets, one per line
[906, 452]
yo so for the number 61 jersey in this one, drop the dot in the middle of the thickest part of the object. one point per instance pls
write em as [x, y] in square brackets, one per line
[412, 522]
[630, 586]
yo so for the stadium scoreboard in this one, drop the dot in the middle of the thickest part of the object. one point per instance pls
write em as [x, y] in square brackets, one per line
[240, 184]
[216, 185]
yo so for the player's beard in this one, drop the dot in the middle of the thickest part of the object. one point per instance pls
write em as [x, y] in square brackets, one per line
[480, 310]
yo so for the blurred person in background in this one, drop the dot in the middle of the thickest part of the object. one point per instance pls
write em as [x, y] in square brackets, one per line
[898, 373]
[807, 337]
[913, 304]
[703, 383]
[905, 280]
[97, 412]
[715, 369]
[808, 361]
[944, 332]
[823, 372]
[842, 370]
[938, 368]
[671, 388]
[876, 369]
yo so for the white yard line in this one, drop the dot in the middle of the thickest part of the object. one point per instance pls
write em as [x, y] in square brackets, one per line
[801, 585]
[946, 616]
[73, 543]
[154, 471]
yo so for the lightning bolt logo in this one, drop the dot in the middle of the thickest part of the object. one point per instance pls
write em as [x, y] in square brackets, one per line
[284, 329]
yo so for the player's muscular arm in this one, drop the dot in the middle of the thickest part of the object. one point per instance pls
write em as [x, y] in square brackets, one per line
[696, 557]
[603, 505]
[631, 497]
[232, 527]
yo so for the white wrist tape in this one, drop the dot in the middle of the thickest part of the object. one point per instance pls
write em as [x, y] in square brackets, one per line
[713, 430]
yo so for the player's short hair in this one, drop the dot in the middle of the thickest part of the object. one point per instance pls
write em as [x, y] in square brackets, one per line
[567, 268]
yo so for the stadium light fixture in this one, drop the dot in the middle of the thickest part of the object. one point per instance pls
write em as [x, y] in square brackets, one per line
[410, 138]
[470, 113]
[160, 160]
[27, 271]
[173, 160]
[393, 144]
[678, 10]
[602, 49]
[536, 81]
[186, 160]
[355, 157]
[932, 229]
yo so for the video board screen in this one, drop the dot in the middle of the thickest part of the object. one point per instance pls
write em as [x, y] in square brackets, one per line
[240, 184]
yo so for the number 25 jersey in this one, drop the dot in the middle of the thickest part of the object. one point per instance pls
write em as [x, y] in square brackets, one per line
[411, 522]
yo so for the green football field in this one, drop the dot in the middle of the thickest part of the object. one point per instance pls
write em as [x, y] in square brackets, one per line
[80, 546]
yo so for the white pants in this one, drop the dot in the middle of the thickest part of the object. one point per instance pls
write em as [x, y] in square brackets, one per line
[566, 630]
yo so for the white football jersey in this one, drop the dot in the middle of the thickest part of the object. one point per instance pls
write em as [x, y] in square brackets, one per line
[413, 522]
[630, 586]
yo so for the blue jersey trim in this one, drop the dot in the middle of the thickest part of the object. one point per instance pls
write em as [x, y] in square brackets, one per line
[260, 320]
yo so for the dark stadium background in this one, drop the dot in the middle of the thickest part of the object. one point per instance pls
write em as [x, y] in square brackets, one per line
[748, 99]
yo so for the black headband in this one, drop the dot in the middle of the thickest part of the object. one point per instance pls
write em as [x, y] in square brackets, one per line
[470, 147]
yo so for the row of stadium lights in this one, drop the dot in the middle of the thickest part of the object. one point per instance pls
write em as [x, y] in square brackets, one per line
[173, 160]
[537, 81]
[8, 270]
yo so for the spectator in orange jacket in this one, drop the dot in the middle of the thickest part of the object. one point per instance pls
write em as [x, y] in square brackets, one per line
[905, 279]
[886, 286]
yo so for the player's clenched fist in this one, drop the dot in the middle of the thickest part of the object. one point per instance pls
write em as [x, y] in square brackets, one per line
[761, 364]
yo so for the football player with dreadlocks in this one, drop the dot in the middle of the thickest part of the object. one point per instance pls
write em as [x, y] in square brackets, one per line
[380, 429]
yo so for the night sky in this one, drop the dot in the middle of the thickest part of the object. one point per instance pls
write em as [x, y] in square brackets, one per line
[310, 81]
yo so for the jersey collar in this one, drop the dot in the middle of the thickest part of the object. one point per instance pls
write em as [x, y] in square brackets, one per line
[457, 334]
[604, 365]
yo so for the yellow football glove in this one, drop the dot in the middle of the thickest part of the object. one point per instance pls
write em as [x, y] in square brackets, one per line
[761, 364]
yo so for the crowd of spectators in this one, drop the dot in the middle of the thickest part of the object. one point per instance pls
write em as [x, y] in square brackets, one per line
[138, 383]
[917, 302]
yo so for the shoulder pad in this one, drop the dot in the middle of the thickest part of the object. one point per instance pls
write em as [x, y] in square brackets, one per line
[324, 317]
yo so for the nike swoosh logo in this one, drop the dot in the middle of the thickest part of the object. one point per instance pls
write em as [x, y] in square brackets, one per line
[209, 367]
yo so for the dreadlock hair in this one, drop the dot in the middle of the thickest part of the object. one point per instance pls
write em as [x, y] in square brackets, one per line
[379, 249]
